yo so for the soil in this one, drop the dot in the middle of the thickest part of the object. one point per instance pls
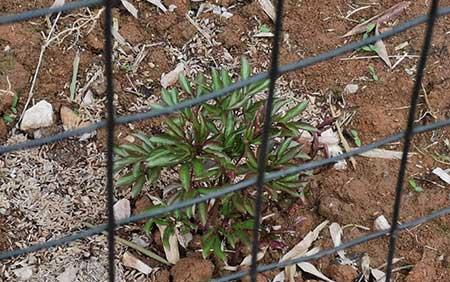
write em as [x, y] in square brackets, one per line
[379, 108]
[192, 269]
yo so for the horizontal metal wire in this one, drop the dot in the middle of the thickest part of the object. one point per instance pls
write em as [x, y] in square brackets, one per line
[220, 93]
[28, 15]
[343, 246]
[222, 191]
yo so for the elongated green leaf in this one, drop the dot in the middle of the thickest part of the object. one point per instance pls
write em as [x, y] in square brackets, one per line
[217, 247]
[125, 180]
[198, 167]
[217, 83]
[168, 232]
[137, 187]
[164, 139]
[284, 146]
[119, 164]
[305, 126]
[246, 69]
[207, 243]
[185, 85]
[258, 87]
[137, 169]
[202, 212]
[141, 136]
[153, 174]
[200, 82]
[294, 112]
[174, 128]
[133, 149]
[185, 176]
[120, 152]
[166, 97]
[226, 79]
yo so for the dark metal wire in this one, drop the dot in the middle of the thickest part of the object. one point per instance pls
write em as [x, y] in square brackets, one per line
[28, 15]
[222, 191]
[110, 124]
[409, 135]
[216, 94]
[273, 74]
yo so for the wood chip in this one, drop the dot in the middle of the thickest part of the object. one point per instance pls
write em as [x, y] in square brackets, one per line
[131, 261]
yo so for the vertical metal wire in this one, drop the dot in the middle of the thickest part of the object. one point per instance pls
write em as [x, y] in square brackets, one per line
[273, 74]
[110, 138]
[409, 134]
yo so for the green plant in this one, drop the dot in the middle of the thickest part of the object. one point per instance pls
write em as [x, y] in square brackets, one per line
[210, 146]
[414, 186]
[373, 73]
[369, 48]
[356, 138]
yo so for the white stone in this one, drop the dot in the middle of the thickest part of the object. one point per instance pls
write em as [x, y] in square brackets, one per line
[351, 88]
[24, 273]
[122, 209]
[88, 99]
[38, 116]
[69, 274]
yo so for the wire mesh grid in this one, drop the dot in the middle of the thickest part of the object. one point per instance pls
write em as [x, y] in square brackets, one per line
[274, 72]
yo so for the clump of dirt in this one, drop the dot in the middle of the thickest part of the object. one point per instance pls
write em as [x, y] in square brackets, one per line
[342, 273]
[192, 269]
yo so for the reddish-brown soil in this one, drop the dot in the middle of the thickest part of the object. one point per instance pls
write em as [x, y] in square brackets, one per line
[355, 196]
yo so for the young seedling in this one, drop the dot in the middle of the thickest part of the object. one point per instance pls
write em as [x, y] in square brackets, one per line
[355, 136]
[208, 147]
[373, 73]
[414, 186]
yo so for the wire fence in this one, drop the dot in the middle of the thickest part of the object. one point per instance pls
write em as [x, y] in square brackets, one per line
[274, 72]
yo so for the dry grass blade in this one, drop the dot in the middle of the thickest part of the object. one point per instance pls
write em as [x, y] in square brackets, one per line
[172, 252]
[336, 233]
[130, 8]
[301, 248]
[311, 269]
[73, 83]
[381, 48]
[158, 4]
[247, 261]
[387, 15]
[268, 8]
[58, 3]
